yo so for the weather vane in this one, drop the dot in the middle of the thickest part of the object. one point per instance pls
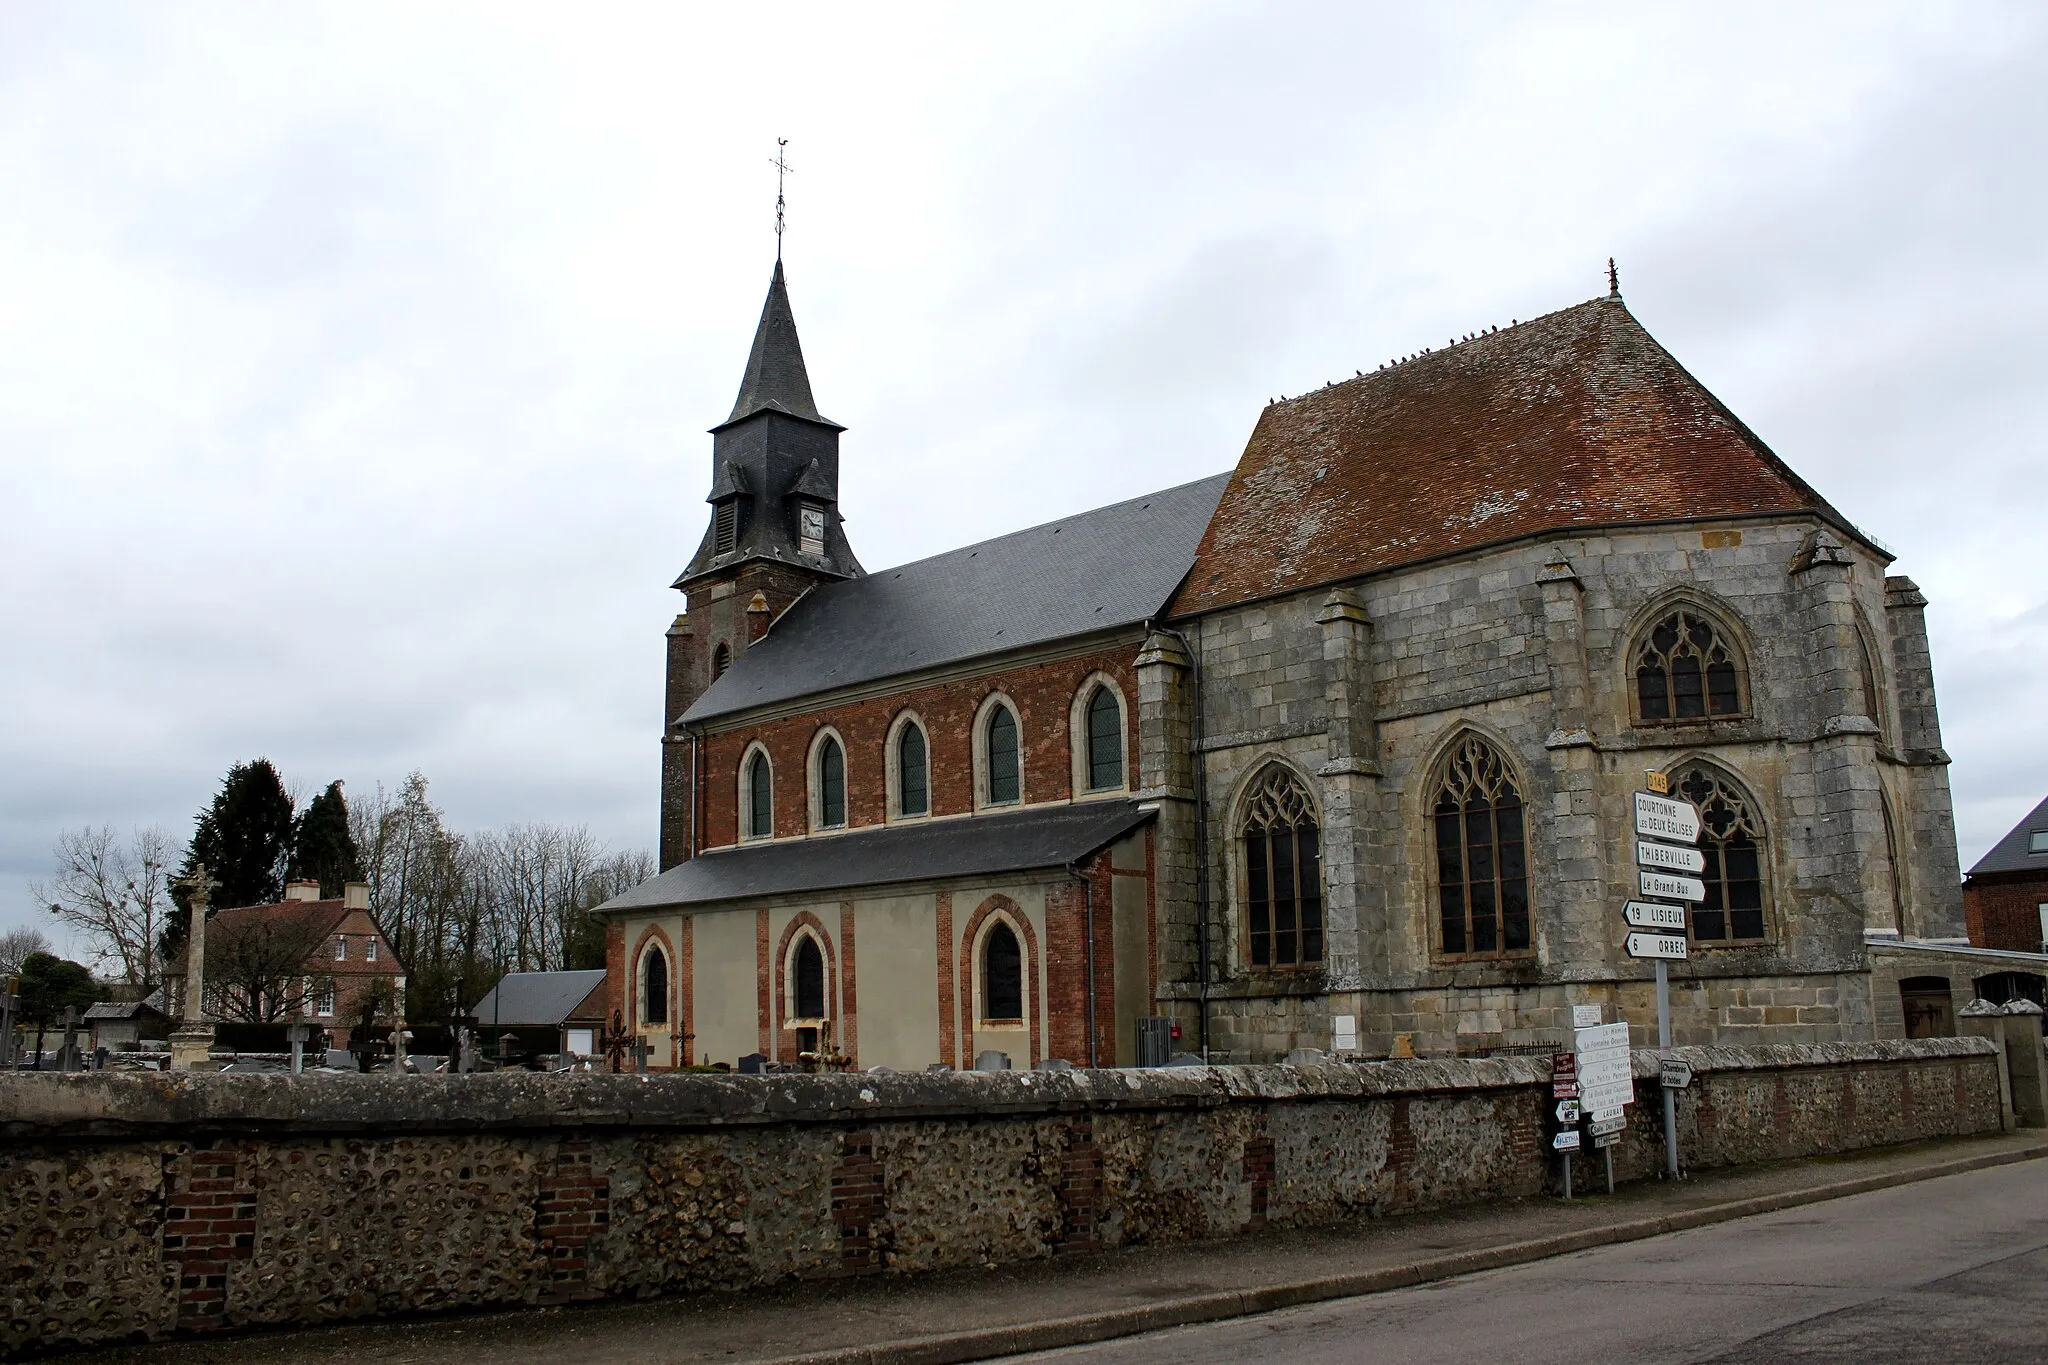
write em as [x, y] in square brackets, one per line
[782, 168]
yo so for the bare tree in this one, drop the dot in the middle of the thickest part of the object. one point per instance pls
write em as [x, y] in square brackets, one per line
[17, 944]
[259, 966]
[115, 895]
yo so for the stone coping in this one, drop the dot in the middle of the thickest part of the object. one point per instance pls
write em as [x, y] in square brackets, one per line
[187, 1104]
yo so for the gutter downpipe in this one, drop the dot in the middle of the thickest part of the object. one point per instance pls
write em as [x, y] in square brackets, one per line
[1201, 840]
[1088, 890]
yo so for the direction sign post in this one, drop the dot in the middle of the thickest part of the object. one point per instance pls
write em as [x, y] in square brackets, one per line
[1666, 869]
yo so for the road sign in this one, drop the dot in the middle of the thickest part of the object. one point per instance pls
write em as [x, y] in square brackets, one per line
[1602, 1127]
[1660, 783]
[1671, 886]
[1601, 1038]
[1606, 1095]
[1568, 1113]
[1607, 1140]
[1564, 1064]
[1670, 947]
[1566, 1141]
[1669, 857]
[1660, 817]
[1675, 1074]
[1564, 1090]
[1651, 915]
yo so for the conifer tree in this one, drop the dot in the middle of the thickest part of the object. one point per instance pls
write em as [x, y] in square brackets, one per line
[244, 837]
[323, 850]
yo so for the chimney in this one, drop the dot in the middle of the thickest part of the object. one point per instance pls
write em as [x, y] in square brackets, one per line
[302, 891]
[356, 895]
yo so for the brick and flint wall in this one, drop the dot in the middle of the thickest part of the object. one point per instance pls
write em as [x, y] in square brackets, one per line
[145, 1207]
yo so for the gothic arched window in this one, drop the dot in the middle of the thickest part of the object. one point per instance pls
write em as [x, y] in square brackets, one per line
[1482, 865]
[1002, 974]
[760, 794]
[807, 968]
[1105, 738]
[1687, 669]
[1731, 838]
[1005, 767]
[1283, 873]
[654, 987]
[829, 775]
[913, 771]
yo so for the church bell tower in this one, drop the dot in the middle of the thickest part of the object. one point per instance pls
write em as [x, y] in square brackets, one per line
[775, 532]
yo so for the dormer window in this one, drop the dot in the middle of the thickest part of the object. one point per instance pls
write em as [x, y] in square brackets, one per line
[810, 527]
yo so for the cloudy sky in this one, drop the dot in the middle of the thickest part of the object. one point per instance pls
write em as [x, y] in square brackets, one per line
[355, 360]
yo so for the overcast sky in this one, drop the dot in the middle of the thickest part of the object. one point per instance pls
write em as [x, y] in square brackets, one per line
[355, 360]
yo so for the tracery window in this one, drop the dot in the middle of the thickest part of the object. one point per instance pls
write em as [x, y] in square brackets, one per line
[913, 772]
[1005, 777]
[807, 968]
[830, 777]
[1731, 840]
[654, 987]
[1283, 873]
[1105, 740]
[1482, 865]
[1687, 669]
[1002, 974]
[760, 791]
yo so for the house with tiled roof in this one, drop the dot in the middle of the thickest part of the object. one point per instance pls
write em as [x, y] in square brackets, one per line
[304, 958]
[1336, 750]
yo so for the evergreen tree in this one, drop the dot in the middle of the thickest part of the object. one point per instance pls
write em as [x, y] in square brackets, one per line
[244, 838]
[323, 850]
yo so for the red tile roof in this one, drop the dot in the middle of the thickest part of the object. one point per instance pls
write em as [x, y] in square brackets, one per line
[1567, 422]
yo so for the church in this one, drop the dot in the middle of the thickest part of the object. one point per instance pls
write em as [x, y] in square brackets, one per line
[1335, 749]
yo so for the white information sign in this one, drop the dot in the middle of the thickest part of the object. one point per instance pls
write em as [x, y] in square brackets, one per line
[1585, 1016]
[1601, 1127]
[1671, 886]
[1567, 1141]
[1660, 817]
[1651, 915]
[1601, 1038]
[1670, 857]
[1606, 1097]
[1670, 947]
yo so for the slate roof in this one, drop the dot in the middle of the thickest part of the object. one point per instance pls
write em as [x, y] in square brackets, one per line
[1572, 420]
[2010, 853]
[775, 379]
[535, 999]
[1114, 566]
[1049, 836]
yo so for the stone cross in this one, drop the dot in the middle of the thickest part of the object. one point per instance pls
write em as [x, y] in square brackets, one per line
[199, 887]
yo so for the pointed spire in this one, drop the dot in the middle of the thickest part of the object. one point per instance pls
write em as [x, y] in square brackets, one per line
[776, 379]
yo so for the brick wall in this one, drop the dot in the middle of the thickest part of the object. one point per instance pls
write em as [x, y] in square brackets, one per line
[369, 1195]
[2005, 912]
[1044, 694]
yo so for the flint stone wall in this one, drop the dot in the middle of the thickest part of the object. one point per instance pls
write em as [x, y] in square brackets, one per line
[141, 1206]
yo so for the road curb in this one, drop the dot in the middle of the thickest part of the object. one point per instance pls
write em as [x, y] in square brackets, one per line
[955, 1348]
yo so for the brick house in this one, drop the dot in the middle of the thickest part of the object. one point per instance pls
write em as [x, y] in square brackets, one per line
[1334, 748]
[341, 948]
[2005, 896]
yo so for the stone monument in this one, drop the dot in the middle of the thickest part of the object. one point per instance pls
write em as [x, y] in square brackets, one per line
[192, 1043]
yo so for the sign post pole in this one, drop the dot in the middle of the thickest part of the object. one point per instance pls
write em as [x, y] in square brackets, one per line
[1663, 1051]
[1567, 1175]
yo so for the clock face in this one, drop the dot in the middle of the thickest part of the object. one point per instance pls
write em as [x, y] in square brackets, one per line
[814, 523]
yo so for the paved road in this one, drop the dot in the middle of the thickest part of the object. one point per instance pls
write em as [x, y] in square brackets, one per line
[1954, 1269]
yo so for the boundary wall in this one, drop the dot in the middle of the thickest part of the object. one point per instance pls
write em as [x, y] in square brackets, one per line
[135, 1207]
